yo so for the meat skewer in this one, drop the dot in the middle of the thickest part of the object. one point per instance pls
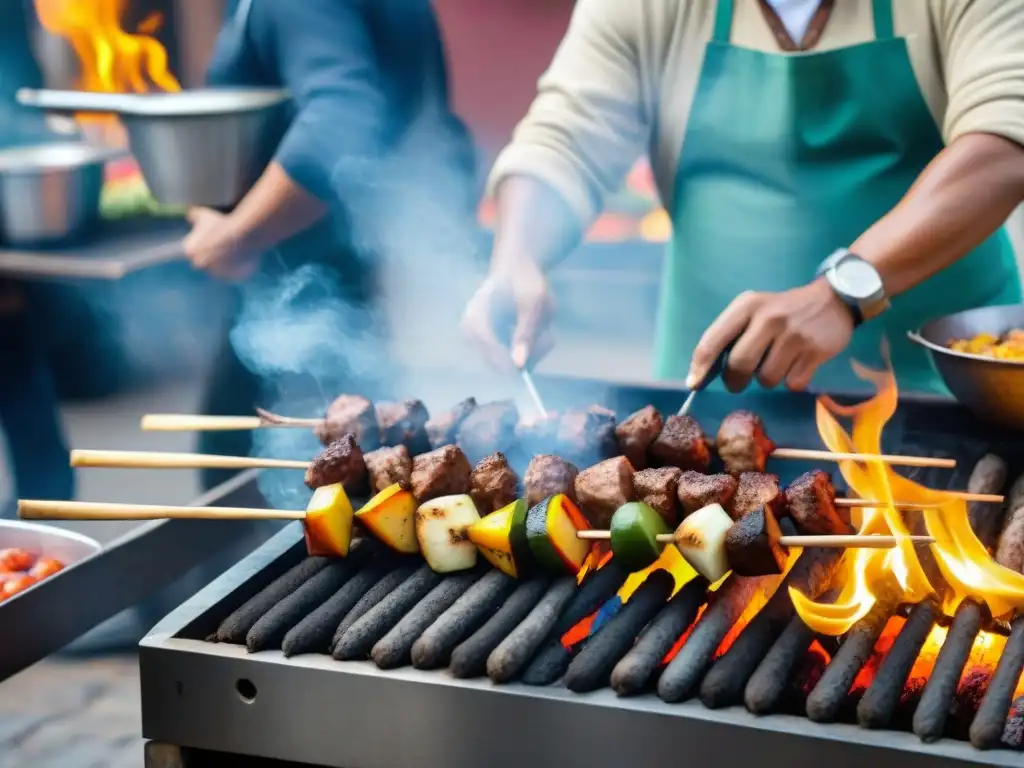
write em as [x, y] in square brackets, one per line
[852, 541]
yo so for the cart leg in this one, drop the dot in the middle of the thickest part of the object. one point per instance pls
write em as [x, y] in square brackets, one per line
[160, 755]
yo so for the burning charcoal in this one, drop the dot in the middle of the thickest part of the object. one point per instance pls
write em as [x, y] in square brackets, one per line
[442, 428]
[969, 695]
[937, 698]
[697, 490]
[592, 668]
[878, 705]
[387, 466]
[512, 654]
[547, 476]
[742, 443]
[603, 488]
[767, 685]
[386, 584]
[493, 484]
[636, 434]
[756, 490]
[587, 436]
[404, 423]
[340, 462]
[681, 444]
[1013, 733]
[443, 472]
[811, 503]
[752, 545]
[657, 488]
[634, 672]
[489, 428]
[351, 414]
[987, 727]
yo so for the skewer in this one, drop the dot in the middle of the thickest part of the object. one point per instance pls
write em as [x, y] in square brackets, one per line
[832, 542]
[165, 460]
[30, 509]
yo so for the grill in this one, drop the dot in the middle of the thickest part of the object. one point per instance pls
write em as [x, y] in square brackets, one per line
[711, 702]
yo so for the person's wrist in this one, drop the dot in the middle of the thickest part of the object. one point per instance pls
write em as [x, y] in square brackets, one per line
[827, 296]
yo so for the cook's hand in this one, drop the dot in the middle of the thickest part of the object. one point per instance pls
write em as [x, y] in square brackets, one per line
[214, 247]
[523, 291]
[798, 329]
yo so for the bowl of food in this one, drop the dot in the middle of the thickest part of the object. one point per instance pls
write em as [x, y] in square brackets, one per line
[979, 353]
[198, 147]
[50, 192]
[30, 553]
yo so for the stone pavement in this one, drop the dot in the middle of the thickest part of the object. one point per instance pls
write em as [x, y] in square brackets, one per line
[72, 713]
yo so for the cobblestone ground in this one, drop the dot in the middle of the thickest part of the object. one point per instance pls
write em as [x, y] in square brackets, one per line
[72, 713]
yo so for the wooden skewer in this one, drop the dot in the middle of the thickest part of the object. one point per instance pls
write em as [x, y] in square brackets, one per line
[166, 460]
[897, 461]
[29, 509]
[832, 542]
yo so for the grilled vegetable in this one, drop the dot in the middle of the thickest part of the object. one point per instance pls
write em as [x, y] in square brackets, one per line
[391, 517]
[700, 539]
[501, 538]
[329, 521]
[442, 528]
[551, 529]
[635, 529]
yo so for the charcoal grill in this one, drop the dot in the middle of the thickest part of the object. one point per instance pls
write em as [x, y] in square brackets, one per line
[311, 709]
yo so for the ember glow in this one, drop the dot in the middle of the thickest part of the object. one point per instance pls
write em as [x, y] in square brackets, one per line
[896, 575]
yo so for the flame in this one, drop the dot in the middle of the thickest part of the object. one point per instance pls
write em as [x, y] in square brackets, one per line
[896, 575]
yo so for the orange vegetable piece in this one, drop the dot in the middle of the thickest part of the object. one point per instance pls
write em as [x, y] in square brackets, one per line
[44, 567]
[16, 584]
[16, 560]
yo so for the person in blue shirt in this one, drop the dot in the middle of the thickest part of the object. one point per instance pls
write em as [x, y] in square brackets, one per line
[364, 76]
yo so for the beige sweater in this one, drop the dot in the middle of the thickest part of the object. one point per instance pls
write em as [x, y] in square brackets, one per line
[623, 80]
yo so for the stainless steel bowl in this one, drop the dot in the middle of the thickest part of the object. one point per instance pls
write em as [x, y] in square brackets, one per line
[992, 389]
[50, 192]
[201, 147]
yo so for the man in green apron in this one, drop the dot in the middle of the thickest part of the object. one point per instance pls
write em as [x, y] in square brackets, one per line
[835, 184]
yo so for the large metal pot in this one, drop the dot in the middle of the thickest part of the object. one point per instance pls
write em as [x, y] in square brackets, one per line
[201, 147]
[50, 192]
[993, 389]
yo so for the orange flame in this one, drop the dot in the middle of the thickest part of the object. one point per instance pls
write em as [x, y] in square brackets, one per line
[896, 575]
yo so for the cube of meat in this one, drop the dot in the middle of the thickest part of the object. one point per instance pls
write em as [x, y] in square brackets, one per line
[636, 434]
[742, 443]
[811, 503]
[752, 545]
[387, 466]
[657, 489]
[548, 475]
[682, 444]
[493, 484]
[488, 429]
[404, 423]
[350, 414]
[603, 488]
[697, 490]
[755, 490]
[340, 462]
[538, 434]
[444, 471]
[587, 436]
[443, 428]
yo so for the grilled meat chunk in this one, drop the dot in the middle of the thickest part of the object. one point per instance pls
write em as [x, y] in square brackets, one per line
[387, 466]
[657, 489]
[404, 423]
[538, 434]
[755, 490]
[350, 414]
[603, 488]
[443, 428]
[696, 490]
[493, 484]
[547, 475]
[636, 434]
[682, 444]
[441, 472]
[742, 443]
[489, 428]
[340, 462]
[811, 503]
[586, 436]
[752, 545]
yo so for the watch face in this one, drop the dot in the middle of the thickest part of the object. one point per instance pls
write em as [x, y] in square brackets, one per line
[857, 279]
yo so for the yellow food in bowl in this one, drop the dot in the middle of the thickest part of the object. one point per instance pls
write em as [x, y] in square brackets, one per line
[1010, 346]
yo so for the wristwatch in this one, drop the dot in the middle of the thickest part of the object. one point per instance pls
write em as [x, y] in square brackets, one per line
[857, 284]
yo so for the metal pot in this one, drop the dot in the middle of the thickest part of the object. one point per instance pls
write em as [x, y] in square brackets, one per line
[202, 147]
[992, 389]
[50, 192]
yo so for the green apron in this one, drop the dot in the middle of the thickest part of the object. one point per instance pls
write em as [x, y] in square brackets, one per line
[785, 159]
